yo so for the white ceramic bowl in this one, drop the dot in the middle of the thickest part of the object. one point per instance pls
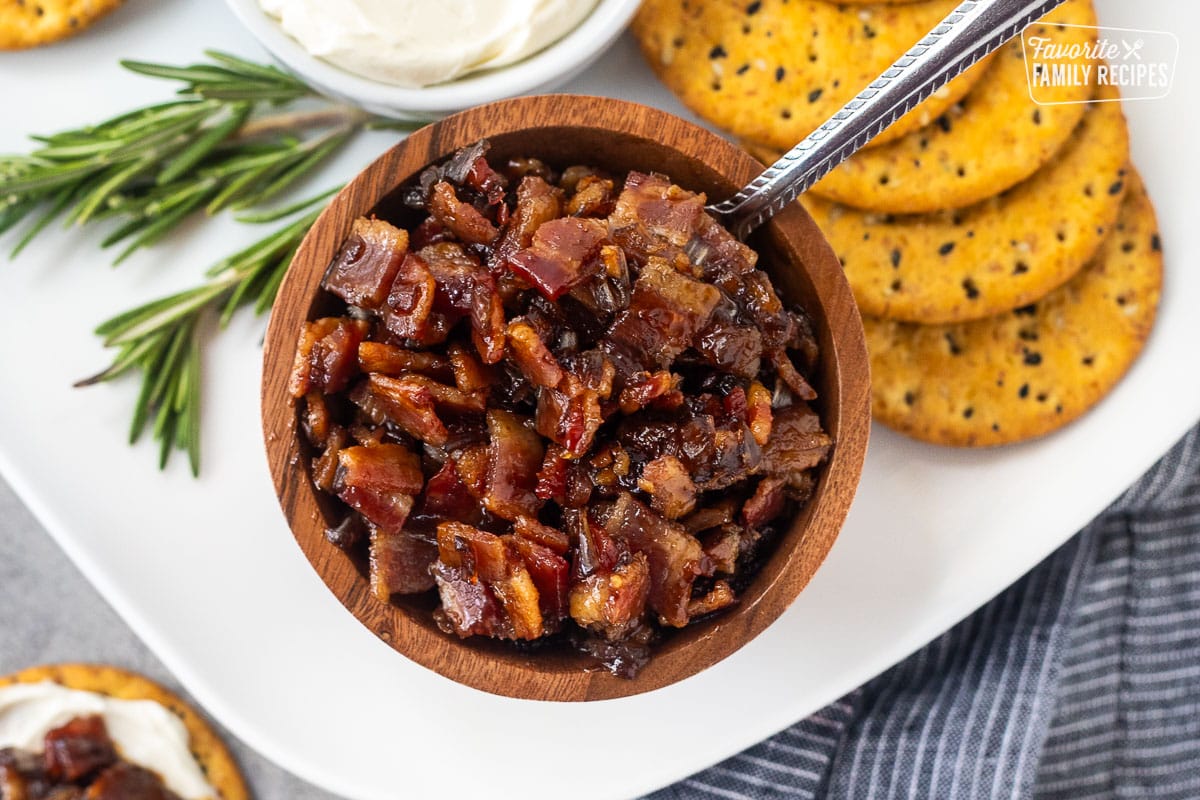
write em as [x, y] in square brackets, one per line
[540, 72]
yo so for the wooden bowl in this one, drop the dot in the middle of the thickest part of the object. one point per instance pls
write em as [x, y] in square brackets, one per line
[617, 136]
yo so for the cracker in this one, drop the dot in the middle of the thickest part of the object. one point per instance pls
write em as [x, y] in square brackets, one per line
[1006, 252]
[213, 756]
[1028, 372]
[29, 23]
[772, 71]
[991, 141]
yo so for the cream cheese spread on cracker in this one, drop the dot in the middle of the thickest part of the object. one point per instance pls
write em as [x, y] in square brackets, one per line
[145, 732]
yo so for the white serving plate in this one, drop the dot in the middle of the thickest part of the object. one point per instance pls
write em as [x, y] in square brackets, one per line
[208, 574]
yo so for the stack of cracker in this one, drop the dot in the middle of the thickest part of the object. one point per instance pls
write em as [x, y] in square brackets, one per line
[1003, 252]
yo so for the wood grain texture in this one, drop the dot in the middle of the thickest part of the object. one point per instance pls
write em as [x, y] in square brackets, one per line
[617, 136]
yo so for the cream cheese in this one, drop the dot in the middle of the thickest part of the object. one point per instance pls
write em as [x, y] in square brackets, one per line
[416, 43]
[145, 732]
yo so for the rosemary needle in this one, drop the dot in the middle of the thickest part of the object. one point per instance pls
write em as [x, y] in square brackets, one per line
[162, 339]
[228, 140]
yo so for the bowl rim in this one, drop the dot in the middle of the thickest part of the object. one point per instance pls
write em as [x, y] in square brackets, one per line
[557, 61]
[812, 532]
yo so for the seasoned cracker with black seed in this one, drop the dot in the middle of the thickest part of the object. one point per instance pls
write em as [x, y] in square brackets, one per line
[1005, 252]
[771, 71]
[29, 23]
[1026, 373]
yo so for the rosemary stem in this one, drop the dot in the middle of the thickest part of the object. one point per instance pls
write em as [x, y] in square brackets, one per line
[291, 121]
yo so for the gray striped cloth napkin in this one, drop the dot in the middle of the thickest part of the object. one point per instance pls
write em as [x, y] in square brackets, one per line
[1080, 681]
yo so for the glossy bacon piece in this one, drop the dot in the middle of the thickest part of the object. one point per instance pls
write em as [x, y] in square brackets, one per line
[447, 497]
[464, 287]
[543, 535]
[609, 603]
[125, 781]
[380, 483]
[593, 197]
[654, 218]
[368, 261]
[552, 477]
[759, 416]
[568, 421]
[532, 355]
[487, 558]
[554, 261]
[766, 503]
[514, 457]
[792, 378]
[466, 607]
[485, 180]
[672, 491]
[461, 219]
[644, 387]
[77, 749]
[408, 313]
[388, 359]
[719, 597]
[324, 466]
[537, 203]
[399, 564]
[797, 444]
[722, 545]
[675, 556]
[668, 309]
[327, 355]
[469, 375]
[410, 405]
[550, 573]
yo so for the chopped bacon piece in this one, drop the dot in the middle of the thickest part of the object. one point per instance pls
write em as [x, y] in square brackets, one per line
[791, 377]
[465, 287]
[668, 309]
[409, 309]
[537, 202]
[668, 215]
[327, 355]
[722, 545]
[551, 575]
[388, 359]
[720, 596]
[447, 497]
[514, 456]
[364, 268]
[569, 421]
[472, 469]
[485, 180]
[766, 503]
[409, 404]
[758, 400]
[467, 606]
[317, 422]
[554, 262]
[324, 467]
[450, 398]
[77, 749]
[399, 564]
[675, 556]
[720, 513]
[461, 219]
[732, 348]
[380, 482]
[532, 355]
[544, 535]
[125, 781]
[592, 198]
[552, 477]
[609, 602]
[487, 558]
[644, 387]
[469, 375]
[797, 444]
[672, 492]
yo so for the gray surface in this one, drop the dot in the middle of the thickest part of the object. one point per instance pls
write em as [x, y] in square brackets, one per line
[49, 613]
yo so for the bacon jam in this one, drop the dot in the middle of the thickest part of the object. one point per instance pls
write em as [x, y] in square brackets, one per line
[80, 762]
[566, 402]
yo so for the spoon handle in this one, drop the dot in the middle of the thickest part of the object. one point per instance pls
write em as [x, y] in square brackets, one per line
[971, 31]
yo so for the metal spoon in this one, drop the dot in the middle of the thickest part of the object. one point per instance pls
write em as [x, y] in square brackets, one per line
[971, 31]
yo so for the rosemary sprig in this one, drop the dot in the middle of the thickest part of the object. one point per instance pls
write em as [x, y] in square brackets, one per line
[162, 339]
[147, 170]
